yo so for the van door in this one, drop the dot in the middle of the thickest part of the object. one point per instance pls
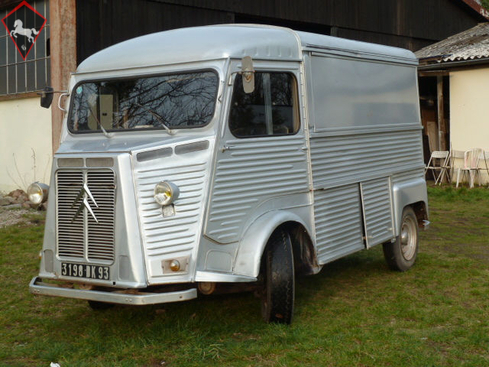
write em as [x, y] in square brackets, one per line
[262, 160]
[377, 211]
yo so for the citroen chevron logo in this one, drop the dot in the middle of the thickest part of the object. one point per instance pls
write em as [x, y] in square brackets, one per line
[83, 197]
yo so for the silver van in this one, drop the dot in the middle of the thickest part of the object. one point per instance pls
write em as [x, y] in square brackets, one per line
[245, 154]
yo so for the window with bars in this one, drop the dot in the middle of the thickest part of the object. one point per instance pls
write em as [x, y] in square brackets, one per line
[16, 74]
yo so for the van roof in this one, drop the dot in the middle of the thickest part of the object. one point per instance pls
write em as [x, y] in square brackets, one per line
[261, 42]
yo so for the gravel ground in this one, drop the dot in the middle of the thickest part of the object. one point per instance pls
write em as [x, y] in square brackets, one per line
[11, 216]
[14, 206]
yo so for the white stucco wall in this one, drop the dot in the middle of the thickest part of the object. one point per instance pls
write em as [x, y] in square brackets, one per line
[469, 111]
[25, 143]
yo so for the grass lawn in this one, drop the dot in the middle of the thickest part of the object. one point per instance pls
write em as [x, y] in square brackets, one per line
[354, 313]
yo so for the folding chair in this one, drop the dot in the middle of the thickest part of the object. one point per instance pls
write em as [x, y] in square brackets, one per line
[457, 161]
[470, 166]
[485, 167]
[439, 161]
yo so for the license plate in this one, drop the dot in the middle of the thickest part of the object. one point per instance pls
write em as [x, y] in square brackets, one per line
[85, 271]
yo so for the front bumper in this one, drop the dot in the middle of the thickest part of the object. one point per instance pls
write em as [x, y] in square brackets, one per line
[117, 296]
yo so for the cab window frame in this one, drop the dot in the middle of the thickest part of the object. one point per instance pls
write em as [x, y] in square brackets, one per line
[268, 127]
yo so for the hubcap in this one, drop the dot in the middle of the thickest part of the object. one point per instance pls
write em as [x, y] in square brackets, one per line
[408, 238]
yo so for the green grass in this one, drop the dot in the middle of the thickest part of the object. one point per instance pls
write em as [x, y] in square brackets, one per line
[354, 313]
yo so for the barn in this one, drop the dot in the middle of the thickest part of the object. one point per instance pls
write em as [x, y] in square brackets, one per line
[75, 29]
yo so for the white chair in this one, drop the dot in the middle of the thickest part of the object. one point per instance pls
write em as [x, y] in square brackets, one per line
[485, 158]
[439, 161]
[457, 161]
[470, 166]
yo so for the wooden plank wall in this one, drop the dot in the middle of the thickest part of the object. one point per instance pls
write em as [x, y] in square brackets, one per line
[411, 24]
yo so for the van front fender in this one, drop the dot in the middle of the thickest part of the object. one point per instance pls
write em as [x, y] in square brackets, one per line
[256, 237]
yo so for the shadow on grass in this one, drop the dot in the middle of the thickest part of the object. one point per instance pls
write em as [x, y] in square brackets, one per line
[227, 314]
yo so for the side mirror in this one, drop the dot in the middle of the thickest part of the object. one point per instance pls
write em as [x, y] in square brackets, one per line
[248, 74]
[47, 97]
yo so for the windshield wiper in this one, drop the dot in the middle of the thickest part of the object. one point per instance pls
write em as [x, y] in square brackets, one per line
[107, 135]
[158, 117]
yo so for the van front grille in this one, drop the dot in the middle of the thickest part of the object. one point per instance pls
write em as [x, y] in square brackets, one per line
[85, 214]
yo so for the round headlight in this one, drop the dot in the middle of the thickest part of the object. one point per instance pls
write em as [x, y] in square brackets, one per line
[166, 193]
[37, 192]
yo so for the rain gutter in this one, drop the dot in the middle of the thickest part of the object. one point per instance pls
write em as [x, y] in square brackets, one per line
[453, 64]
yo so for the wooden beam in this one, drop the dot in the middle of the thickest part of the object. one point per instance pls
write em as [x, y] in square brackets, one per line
[63, 56]
[433, 73]
[9, 4]
[440, 105]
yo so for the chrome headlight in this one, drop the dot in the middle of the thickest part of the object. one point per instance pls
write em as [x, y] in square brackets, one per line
[166, 193]
[37, 192]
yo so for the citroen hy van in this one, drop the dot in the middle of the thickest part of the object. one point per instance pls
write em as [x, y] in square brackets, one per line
[231, 154]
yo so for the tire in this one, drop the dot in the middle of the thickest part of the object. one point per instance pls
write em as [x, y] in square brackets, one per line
[279, 288]
[401, 254]
[96, 305]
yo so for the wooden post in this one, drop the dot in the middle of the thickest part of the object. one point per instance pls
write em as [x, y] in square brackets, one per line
[63, 56]
[440, 105]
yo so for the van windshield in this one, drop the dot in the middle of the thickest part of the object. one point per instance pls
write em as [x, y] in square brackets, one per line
[175, 101]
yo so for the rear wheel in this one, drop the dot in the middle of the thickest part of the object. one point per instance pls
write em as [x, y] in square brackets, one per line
[401, 254]
[279, 287]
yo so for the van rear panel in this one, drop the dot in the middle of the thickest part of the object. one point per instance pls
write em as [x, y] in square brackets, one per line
[365, 131]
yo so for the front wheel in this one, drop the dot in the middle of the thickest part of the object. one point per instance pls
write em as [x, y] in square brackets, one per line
[279, 288]
[401, 254]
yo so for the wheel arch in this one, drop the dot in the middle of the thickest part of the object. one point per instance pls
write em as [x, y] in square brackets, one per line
[256, 237]
[421, 210]
[412, 193]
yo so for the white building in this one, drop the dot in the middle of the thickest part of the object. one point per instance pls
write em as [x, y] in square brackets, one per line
[461, 63]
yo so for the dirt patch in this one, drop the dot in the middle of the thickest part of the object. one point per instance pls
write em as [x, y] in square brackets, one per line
[11, 216]
[476, 251]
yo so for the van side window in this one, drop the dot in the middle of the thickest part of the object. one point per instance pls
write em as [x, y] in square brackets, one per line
[270, 110]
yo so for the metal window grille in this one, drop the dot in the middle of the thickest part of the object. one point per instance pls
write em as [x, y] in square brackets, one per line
[19, 76]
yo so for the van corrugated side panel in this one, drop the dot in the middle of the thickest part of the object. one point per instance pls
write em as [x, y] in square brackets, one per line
[169, 237]
[403, 177]
[345, 159]
[354, 163]
[377, 205]
[250, 173]
[339, 228]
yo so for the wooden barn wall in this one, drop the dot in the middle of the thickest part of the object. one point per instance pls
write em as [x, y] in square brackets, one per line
[101, 24]
[411, 24]
[430, 19]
